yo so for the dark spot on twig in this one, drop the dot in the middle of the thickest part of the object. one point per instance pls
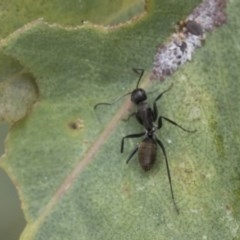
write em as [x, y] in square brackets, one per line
[189, 35]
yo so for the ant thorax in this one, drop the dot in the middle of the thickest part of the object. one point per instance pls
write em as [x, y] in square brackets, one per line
[145, 115]
[142, 106]
[151, 133]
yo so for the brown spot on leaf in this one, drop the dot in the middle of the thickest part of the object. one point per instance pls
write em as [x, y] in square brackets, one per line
[76, 124]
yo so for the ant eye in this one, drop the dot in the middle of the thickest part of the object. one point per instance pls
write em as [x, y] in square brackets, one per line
[138, 95]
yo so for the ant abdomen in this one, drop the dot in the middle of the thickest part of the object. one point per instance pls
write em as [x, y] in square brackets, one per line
[147, 153]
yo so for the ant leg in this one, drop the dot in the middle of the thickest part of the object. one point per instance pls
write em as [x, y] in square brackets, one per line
[136, 135]
[174, 123]
[155, 110]
[168, 173]
[132, 154]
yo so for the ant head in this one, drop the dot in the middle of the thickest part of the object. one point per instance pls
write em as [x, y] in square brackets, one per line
[138, 95]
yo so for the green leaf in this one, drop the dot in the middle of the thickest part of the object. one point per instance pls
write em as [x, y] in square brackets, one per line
[16, 13]
[72, 180]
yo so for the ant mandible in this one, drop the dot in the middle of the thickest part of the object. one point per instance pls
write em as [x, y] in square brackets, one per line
[147, 116]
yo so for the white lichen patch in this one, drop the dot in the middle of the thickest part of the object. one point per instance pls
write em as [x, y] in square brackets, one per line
[189, 36]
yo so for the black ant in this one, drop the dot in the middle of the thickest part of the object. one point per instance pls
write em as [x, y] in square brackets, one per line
[147, 117]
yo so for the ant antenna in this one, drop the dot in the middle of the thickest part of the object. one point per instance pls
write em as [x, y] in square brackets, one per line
[106, 103]
[138, 71]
